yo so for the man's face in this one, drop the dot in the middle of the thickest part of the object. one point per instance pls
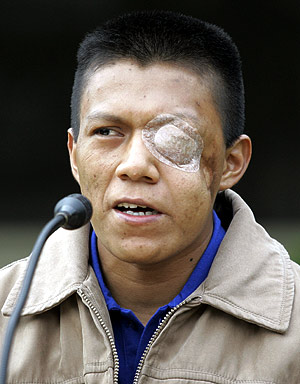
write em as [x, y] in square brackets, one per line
[113, 166]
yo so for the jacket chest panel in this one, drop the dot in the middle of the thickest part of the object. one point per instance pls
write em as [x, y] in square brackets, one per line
[62, 345]
[199, 345]
[208, 346]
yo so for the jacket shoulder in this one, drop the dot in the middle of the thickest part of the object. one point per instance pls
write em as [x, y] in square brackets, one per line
[296, 268]
[296, 272]
[9, 275]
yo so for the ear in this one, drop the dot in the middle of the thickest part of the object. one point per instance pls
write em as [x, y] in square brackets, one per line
[72, 154]
[237, 160]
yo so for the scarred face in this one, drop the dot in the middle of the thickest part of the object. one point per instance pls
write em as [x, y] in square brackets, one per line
[146, 211]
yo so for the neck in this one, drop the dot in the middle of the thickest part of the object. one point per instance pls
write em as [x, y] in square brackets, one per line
[144, 288]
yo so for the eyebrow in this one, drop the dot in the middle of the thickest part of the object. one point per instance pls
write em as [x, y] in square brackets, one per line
[96, 116]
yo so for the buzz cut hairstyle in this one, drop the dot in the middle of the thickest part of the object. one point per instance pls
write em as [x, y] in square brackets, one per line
[150, 37]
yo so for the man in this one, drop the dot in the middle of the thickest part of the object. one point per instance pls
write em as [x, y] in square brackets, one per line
[174, 281]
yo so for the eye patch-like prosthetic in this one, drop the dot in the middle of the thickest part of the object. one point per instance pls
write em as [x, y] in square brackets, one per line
[174, 142]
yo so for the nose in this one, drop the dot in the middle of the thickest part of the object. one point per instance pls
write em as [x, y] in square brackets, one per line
[137, 163]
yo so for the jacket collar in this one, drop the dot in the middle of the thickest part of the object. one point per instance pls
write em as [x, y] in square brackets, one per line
[251, 277]
[61, 270]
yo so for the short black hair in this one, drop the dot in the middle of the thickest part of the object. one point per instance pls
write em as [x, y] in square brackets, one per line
[150, 37]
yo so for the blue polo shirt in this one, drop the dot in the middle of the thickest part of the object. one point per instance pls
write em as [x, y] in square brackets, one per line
[131, 337]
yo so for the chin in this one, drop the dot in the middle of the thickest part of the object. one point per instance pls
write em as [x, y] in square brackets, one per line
[141, 255]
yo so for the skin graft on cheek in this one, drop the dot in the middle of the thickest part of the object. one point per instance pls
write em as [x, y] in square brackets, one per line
[174, 142]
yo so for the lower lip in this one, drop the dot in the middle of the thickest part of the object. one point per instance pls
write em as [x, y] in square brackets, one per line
[132, 219]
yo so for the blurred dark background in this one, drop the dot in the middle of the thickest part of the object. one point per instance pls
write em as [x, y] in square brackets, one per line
[39, 40]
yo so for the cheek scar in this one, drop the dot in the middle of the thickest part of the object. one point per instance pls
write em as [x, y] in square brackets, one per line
[174, 142]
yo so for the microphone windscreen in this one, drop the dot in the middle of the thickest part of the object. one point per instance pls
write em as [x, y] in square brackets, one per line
[77, 210]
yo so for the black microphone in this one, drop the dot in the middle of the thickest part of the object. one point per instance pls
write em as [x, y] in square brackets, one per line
[76, 209]
[71, 212]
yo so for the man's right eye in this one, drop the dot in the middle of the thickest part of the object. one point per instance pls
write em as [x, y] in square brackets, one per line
[107, 132]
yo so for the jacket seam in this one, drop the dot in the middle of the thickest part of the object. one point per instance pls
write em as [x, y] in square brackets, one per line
[92, 296]
[212, 374]
[47, 382]
[21, 261]
[286, 267]
[73, 287]
[241, 308]
[52, 298]
[88, 273]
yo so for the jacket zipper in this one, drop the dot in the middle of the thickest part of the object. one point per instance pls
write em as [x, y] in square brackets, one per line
[155, 335]
[108, 334]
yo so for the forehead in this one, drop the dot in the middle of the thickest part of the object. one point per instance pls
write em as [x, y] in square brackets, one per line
[128, 90]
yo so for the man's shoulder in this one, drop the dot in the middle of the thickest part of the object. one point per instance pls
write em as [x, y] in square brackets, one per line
[63, 249]
[296, 267]
[296, 271]
[10, 274]
[62, 267]
[13, 266]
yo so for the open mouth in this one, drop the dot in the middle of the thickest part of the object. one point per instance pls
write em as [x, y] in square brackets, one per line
[136, 210]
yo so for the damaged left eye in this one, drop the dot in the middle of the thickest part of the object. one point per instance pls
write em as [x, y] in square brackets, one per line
[174, 142]
[176, 145]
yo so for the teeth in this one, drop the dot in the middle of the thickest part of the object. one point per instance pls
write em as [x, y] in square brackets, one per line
[128, 205]
[134, 206]
[147, 213]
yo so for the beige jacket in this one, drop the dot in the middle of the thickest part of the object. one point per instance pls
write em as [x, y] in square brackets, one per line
[242, 325]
